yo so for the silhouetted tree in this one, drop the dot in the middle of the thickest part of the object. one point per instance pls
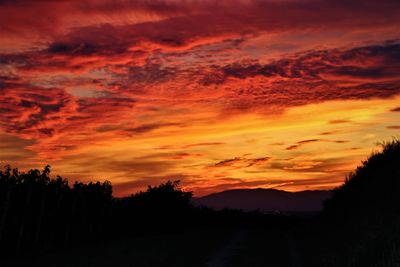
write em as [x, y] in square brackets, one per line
[39, 212]
[360, 222]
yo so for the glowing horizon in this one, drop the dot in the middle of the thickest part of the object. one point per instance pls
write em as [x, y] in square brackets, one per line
[219, 94]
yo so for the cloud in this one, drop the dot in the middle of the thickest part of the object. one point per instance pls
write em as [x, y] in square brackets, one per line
[34, 111]
[327, 133]
[144, 128]
[182, 156]
[227, 162]
[308, 141]
[116, 90]
[14, 152]
[340, 141]
[203, 144]
[312, 77]
[317, 165]
[339, 121]
[177, 23]
[393, 127]
[240, 162]
[302, 142]
[48, 114]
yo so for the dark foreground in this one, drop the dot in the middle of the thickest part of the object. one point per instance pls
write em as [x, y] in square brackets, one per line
[233, 247]
[45, 222]
[228, 247]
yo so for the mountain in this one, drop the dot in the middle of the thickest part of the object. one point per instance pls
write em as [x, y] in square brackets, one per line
[267, 200]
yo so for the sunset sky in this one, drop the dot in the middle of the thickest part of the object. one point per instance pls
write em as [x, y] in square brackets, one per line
[286, 94]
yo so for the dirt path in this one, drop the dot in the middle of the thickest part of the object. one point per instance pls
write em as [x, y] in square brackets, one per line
[293, 251]
[223, 256]
[258, 248]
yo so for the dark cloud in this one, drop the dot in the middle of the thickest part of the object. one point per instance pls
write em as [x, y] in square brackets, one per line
[308, 141]
[393, 127]
[312, 77]
[257, 161]
[25, 109]
[149, 127]
[339, 121]
[340, 141]
[241, 162]
[327, 133]
[227, 162]
[302, 142]
[185, 21]
[77, 49]
[316, 65]
[365, 72]
[150, 73]
[53, 117]
[292, 147]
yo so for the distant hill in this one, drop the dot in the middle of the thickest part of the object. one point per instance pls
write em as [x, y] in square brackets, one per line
[267, 200]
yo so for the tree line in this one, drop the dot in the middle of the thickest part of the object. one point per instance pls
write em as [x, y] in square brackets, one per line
[360, 223]
[40, 213]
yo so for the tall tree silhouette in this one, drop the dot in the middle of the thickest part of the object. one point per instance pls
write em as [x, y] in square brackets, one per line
[38, 212]
[360, 222]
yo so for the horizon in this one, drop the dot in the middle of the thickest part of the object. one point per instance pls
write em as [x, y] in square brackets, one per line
[284, 95]
[70, 184]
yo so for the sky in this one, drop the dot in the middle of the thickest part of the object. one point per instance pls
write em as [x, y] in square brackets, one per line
[283, 94]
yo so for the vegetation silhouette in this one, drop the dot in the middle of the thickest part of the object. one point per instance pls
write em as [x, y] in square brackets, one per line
[39, 214]
[359, 225]
[37, 210]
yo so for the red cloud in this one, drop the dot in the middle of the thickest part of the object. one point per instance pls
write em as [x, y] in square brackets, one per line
[178, 23]
[31, 110]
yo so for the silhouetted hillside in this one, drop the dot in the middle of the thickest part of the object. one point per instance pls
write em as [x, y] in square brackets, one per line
[268, 200]
[373, 189]
[360, 223]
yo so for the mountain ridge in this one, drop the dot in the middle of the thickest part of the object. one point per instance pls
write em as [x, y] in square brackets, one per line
[265, 199]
